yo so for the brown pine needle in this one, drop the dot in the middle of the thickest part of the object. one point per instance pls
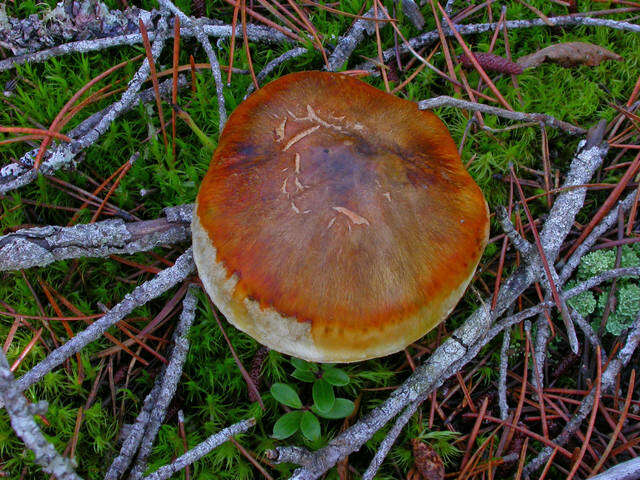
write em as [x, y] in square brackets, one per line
[154, 78]
[193, 73]
[174, 83]
[36, 132]
[26, 350]
[471, 57]
[245, 39]
[232, 46]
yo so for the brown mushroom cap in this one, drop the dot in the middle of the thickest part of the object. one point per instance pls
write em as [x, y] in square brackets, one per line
[336, 222]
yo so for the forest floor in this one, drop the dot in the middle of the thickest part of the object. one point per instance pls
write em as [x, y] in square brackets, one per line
[129, 172]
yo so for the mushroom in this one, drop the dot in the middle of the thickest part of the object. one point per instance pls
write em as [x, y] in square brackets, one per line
[336, 222]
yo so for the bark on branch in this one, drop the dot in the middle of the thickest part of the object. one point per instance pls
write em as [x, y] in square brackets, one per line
[38, 247]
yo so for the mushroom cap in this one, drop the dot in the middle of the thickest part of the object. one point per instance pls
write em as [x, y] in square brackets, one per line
[336, 222]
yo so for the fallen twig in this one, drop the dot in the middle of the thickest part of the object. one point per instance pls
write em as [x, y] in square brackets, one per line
[40, 246]
[629, 470]
[211, 55]
[429, 38]
[201, 450]
[348, 43]
[21, 415]
[169, 383]
[255, 33]
[444, 100]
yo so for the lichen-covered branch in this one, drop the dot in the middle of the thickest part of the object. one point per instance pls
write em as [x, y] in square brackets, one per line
[201, 450]
[40, 246]
[36, 40]
[428, 38]
[169, 383]
[203, 38]
[27, 429]
[445, 101]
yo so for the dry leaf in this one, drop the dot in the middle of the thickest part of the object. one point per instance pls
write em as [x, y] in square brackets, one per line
[428, 462]
[494, 63]
[569, 54]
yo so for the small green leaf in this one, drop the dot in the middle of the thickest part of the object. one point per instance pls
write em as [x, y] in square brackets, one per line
[323, 396]
[310, 426]
[341, 408]
[304, 365]
[300, 364]
[286, 395]
[287, 425]
[336, 377]
[304, 375]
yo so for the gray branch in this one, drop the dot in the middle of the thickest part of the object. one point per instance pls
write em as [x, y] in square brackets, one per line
[142, 294]
[629, 470]
[27, 429]
[431, 37]
[201, 450]
[11, 36]
[348, 43]
[445, 101]
[502, 380]
[134, 436]
[389, 440]
[169, 383]
[40, 246]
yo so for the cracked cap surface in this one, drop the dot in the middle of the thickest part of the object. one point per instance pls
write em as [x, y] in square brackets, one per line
[336, 222]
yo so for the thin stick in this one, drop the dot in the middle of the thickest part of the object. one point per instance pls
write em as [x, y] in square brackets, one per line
[21, 415]
[201, 450]
[548, 120]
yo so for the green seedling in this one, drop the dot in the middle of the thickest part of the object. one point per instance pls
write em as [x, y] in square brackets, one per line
[325, 404]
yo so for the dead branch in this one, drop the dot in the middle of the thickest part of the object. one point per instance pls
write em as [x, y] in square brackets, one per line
[429, 38]
[389, 440]
[21, 415]
[629, 470]
[502, 380]
[348, 43]
[117, 33]
[201, 450]
[40, 246]
[134, 436]
[141, 295]
[169, 383]
[445, 101]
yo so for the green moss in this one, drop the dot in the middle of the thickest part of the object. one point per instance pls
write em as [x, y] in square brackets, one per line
[212, 392]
